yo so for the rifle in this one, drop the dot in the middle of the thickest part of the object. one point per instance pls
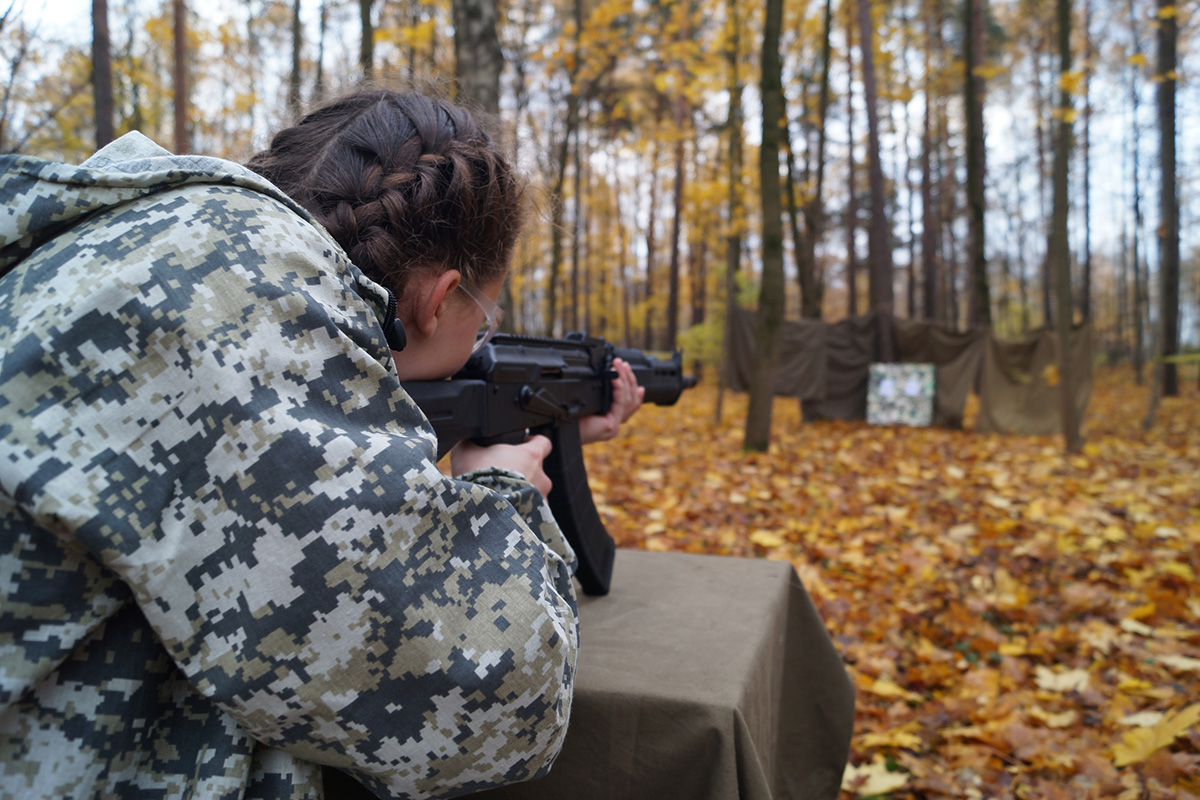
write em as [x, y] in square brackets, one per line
[520, 385]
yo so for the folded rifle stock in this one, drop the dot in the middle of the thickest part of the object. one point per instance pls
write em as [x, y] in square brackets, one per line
[521, 385]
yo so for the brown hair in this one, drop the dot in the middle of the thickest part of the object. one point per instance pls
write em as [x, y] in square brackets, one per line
[402, 181]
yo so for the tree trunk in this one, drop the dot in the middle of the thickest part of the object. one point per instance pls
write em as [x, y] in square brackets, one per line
[1168, 229]
[1139, 285]
[910, 214]
[814, 216]
[652, 237]
[974, 87]
[671, 334]
[557, 211]
[771, 292]
[556, 196]
[733, 237]
[182, 144]
[1022, 273]
[366, 45]
[1041, 135]
[804, 267]
[930, 223]
[1085, 298]
[577, 220]
[851, 212]
[882, 291]
[477, 56]
[322, 28]
[1059, 248]
[102, 84]
[293, 95]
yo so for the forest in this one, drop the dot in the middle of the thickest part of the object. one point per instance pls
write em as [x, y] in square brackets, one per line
[1020, 618]
[919, 147]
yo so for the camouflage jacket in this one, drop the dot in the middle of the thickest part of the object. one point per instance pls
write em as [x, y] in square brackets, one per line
[226, 553]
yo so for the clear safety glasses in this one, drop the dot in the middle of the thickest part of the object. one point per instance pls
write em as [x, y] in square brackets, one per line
[492, 315]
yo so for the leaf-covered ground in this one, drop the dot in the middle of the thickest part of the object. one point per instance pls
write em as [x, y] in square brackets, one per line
[1018, 623]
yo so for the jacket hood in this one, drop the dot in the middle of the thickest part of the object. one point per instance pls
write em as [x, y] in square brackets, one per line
[40, 199]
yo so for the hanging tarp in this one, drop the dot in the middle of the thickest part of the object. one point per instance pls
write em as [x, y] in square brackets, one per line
[827, 366]
[850, 347]
[801, 371]
[957, 357]
[1020, 391]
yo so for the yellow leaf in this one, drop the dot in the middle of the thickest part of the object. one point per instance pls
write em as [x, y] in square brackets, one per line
[904, 737]
[874, 778]
[1142, 719]
[1064, 719]
[1069, 82]
[1181, 663]
[885, 688]
[1017, 648]
[1130, 625]
[766, 539]
[658, 544]
[1114, 533]
[1138, 745]
[1168, 12]
[997, 501]
[1050, 374]
[1072, 680]
[1139, 60]
[1179, 570]
[1143, 611]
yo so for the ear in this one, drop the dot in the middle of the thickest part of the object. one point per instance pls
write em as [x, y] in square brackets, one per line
[431, 302]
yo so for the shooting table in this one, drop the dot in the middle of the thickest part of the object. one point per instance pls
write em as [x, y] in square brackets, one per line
[701, 678]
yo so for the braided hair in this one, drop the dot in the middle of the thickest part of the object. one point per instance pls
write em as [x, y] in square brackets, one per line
[402, 181]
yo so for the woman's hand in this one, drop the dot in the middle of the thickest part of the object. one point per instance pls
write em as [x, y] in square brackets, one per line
[525, 459]
[627, 398]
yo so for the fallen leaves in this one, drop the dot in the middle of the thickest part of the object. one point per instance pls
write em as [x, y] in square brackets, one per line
[873, 779]
[1072, 680]
[1018, 623]
[1140, 743]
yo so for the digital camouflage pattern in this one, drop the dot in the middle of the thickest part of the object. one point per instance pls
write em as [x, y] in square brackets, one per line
[226, 554]
[901, 394]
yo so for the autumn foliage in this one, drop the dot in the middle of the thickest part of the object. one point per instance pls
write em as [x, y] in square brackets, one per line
[1019, 623]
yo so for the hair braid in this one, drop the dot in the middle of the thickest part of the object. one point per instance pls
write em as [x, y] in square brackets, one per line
[402, 182]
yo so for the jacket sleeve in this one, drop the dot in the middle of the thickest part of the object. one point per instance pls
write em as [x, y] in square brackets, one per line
[231, 441]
